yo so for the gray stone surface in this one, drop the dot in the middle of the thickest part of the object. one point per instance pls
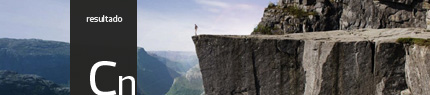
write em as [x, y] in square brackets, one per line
[418, 69]
[406, 2]
[357, 62]
[343, 15]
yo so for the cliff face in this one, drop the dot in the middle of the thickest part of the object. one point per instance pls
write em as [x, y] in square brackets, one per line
[296, 16]
[417, 65]
[359, 62]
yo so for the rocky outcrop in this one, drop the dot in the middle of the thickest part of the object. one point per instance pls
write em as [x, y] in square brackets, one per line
[356, 62]
[12, 83]
[296, 16]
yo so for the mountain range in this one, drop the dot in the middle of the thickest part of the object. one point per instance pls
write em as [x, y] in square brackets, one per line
[49, 59]
[180, 61]
[153, 77]
[34, 67]
[168, 72]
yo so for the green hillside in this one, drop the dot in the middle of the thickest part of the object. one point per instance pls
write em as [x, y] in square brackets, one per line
[49, 59]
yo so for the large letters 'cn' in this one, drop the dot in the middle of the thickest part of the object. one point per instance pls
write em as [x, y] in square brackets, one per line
[93, 79]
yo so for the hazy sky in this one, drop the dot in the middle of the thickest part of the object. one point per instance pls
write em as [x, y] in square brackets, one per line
[161, 25]
[41, 19]
[169, 24]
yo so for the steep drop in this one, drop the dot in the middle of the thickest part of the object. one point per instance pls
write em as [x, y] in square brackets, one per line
[357, 62]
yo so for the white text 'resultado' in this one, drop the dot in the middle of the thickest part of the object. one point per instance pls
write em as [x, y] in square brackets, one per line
[105, 19]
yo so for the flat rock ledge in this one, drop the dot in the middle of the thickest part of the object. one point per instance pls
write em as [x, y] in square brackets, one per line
[344, 62]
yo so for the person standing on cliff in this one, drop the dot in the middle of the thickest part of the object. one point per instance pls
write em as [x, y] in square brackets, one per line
[195, 27]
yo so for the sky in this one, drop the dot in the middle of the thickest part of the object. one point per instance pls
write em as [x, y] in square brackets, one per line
[167, 25]
[39, 19]
[162, 25]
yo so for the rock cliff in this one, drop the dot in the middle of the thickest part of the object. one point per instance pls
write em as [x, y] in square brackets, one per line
[343, 62]
[296, 16]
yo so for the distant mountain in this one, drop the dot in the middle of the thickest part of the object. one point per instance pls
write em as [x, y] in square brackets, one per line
[49, 59]
[180, 61]
[153, 76]
[189, 84]
[12, 83]
[186, 63]
[175, 66]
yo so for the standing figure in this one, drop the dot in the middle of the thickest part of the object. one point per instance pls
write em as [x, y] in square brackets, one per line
[195, 27]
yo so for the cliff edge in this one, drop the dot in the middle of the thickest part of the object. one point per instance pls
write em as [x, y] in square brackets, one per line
[344, 62]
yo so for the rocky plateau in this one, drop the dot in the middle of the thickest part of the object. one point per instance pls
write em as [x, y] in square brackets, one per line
[341, 62]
